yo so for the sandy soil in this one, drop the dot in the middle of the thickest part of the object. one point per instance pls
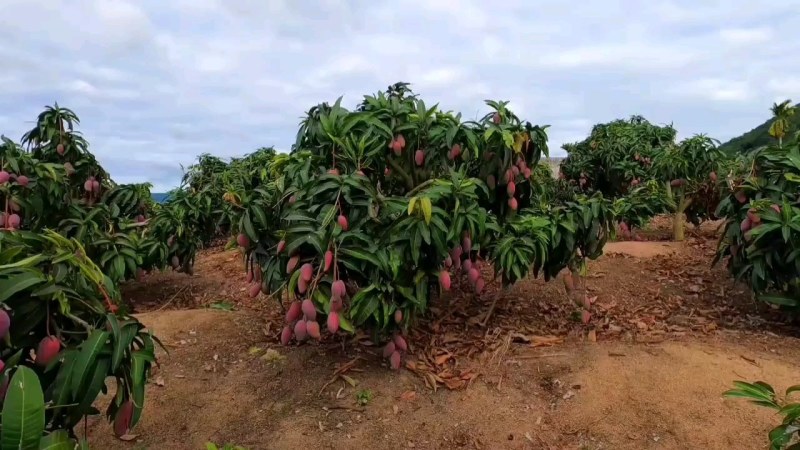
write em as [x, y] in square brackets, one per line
[668, 335]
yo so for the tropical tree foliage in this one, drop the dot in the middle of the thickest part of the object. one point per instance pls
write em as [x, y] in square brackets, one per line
[781, 113]
[622, 160]
[376, 209]
[761, 238]
[69, 235]
[688, 171]
[617, 160]
[215, 193]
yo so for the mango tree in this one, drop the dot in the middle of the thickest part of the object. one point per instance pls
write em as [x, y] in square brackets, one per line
[646, 172]
[376, 210]
[617, 160]
[68, 236]
[57, 302]
[692, 186]
[761, 237]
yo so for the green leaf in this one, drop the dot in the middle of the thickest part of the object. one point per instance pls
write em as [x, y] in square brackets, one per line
[119, 266]
[138, 368]
[61, 392]
[23, 412]
[362, 255]
[783, 300]
[345, 324]
[363, 304]
[57, 440]
[248, 227]
[89, 349]
[31, 261]
[18, 283]
[261, 216]
[96, 383]
[116, 336]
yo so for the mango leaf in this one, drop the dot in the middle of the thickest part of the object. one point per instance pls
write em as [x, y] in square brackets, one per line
[411, 203]
[345, 324]
[116, 336]
[57, 440]
[95, 383]
[138, 368]
[23, 412]
[783, 300]
[18, 283]
[31, 261]
[425, 203]
[89, 350]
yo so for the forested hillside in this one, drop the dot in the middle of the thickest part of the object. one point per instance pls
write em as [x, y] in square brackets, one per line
[759, 136]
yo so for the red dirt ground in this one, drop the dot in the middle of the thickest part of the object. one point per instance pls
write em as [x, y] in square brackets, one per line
[668, 335]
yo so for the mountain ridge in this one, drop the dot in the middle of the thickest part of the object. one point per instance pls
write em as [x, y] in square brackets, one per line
[759, 136]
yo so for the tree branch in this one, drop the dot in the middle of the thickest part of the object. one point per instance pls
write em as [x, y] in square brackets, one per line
[402, 173]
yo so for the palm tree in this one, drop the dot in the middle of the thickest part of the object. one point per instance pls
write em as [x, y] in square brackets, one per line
[780, 126]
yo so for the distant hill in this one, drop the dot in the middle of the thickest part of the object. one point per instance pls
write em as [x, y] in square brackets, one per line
[159, 197]
[759, 136]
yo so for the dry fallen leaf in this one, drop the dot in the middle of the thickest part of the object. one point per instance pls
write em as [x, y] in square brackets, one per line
[545, 341]
[408, 396]
[455, 384]
[442, 359]
[350, 380]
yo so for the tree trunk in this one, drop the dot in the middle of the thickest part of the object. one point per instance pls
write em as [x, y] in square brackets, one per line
[678, 222]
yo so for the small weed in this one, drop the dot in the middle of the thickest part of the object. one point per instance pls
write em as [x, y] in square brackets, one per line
[221, 306]
[213, 446]
[363, 397]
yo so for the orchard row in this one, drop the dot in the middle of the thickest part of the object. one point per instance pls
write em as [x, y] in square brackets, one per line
[375, 213]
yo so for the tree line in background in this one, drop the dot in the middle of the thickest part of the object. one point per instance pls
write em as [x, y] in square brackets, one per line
[375, 213]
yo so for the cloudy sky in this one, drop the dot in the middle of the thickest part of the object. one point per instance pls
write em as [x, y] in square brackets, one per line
[157, 82]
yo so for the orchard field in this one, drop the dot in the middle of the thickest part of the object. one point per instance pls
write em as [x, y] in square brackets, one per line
[405, 278]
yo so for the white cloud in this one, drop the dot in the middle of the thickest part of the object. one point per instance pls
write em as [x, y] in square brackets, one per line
[440, 77]
[163, 80]
[746, 36]
[715, 90]
[785, 85]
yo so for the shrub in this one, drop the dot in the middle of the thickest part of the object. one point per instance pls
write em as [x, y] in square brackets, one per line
[352, 187]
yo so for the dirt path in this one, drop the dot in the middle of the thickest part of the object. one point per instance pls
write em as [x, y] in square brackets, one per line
[672, 334]
[590, 396]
